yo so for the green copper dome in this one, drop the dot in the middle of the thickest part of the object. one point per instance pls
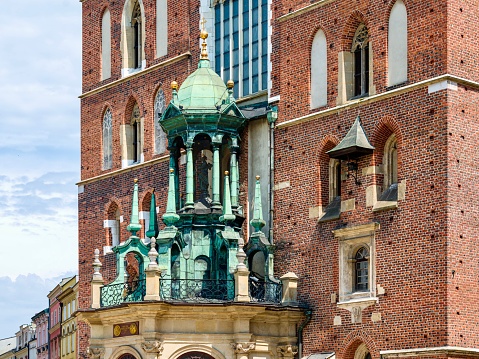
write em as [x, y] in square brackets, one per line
[203, 89]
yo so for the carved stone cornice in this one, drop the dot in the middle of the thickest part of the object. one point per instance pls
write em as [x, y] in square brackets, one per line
[95, 352]
[243, 347]
[287, 350]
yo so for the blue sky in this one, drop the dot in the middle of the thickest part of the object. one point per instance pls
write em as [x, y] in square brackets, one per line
[40, 80]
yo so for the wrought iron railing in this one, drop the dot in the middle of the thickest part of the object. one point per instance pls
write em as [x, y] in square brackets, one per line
[114, 294]
[265, 292]
[197, 290]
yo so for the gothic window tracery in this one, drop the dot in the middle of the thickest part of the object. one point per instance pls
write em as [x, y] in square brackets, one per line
[107, 140]
[160, 135]
[360, 50]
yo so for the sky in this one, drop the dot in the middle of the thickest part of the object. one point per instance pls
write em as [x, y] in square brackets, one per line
[40, 80]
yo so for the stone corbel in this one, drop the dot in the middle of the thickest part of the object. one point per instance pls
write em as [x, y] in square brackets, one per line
[95, 352]
[240, 348]
[153, 347]
[287, 351]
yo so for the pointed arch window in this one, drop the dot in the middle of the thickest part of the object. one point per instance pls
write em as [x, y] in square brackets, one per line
[361, 270]
[105, 45]
[132, 37]
[107, 140]
[160, 135]
[397, 44]
[360, 50]
[132, 139]
[319, 71]
[137, 35]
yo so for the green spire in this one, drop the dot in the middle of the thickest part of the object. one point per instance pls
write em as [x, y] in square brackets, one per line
[153, 228]
[134, 225]
[257, 222]
[170, 217]
[227, 212]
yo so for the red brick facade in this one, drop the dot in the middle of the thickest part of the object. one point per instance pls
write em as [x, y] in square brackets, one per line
[426, 258]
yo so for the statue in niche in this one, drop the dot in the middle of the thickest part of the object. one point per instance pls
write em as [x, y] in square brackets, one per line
[203, 182]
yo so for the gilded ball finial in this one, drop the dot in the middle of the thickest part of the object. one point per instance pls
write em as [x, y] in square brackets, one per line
[230, 84]
[135, 180]
[172, 170]
[257, 178]
[204, 34]
[226, 173]
[174, 85]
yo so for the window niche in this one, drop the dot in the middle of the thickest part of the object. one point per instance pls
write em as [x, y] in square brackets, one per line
[107, 140]
[397, 44]
[132, 38]
[160, 136]
[105, 45]
[391, 190]
[357, 268]
[356, 68]
[132, 139]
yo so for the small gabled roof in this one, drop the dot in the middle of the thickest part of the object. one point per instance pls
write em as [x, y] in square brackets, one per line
[354, 144]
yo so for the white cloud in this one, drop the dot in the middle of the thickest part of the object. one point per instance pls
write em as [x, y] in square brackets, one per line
[40, 80]
[22, 298]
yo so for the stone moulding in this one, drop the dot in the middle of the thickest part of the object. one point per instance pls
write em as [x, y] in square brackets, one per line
[378, 97]
[447, 350]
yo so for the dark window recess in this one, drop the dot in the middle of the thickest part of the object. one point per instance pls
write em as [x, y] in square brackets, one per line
[361, 270]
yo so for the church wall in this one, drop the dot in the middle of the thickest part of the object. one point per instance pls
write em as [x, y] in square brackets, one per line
[463, 253]
[411, 244]
[293, 37]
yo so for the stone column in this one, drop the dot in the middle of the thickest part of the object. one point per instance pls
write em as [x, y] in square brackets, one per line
[234, 175]
[174, 164]
[189, 176]
[216, 175]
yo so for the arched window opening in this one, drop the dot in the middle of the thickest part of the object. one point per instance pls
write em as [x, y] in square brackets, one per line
[132, 37]
[132, 133]
[319, 71]
[390, 162]
[397, 44]
[361, 270]
[194, 355]
[133, 271]
[202, 268]
[105, 45]
[160, 135]
[360, 50]
[145, 215]
[137, 36]
[257, 265]
[334, 179]
[107, 140]
[112, 225]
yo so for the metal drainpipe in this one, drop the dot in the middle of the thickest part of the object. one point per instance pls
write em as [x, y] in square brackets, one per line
[308, 314]
[272, 115]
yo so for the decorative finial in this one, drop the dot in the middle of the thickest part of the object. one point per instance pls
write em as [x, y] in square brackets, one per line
[97, 265]
[172, 170]
[228, 215]
[174, 85]
[230, 84]
[257, 222]
[134, 225]
[204, 36]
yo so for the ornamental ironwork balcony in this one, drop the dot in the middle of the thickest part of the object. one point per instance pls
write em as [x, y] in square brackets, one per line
[265, 292]
[197, 290]
[114, 294]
